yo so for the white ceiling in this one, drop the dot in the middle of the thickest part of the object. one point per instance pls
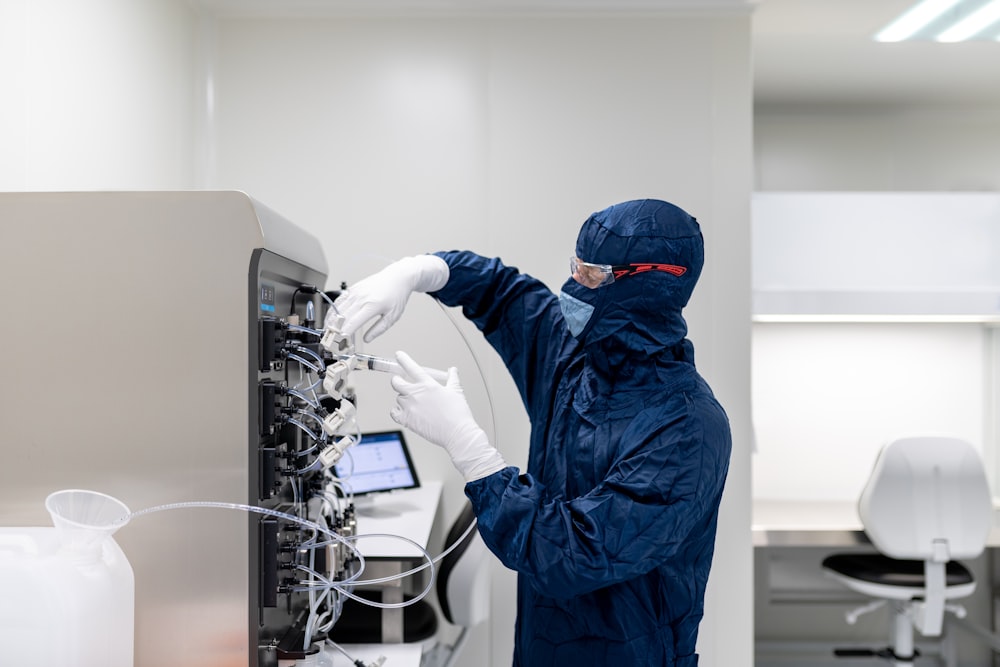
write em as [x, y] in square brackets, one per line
[806, 52]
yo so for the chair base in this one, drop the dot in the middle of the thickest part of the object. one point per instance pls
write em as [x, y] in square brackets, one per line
[884, 653]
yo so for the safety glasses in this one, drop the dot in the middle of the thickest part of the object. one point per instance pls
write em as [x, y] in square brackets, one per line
[598, 275]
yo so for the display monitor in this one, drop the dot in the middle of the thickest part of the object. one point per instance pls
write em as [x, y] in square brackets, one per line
[380, 462]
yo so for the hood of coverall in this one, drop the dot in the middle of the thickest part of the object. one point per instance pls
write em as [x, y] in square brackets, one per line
[639, 316]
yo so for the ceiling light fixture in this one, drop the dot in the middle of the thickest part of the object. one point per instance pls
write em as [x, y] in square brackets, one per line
[944, 21]
[972, 24]
[914, 19]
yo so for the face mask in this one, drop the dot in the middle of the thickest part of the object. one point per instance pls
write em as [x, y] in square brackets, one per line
[575, 312]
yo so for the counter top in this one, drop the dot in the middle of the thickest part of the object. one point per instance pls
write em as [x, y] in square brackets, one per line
[819, 523]
[791, 523]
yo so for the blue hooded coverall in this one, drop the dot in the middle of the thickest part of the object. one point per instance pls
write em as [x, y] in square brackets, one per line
[612, 527]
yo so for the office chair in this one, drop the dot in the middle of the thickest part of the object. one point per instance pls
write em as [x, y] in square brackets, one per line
[463, 591]
[926, 503]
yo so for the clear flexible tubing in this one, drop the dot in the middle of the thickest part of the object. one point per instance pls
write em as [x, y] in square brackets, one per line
[302, 397]
[317, 620]
[336, 538]
[317, 440]
[331, 502]
[341, 649]
[314, 600]
[479, 367]
[302, 427]
[305, 413]
[345, 481]
[329, 301]
[312, 525]
[431, 561]
[306, 452]
[312, 353]
[318, 370]
[326, 584]
[308, 364]
[304, 383]
[315, 465]
[311, 388]
[297, 327]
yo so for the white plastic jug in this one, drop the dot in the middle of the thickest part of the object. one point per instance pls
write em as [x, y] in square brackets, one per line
[67, 592]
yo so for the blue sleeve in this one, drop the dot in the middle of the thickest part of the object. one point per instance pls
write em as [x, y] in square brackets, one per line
[657, 505]
[518, 314]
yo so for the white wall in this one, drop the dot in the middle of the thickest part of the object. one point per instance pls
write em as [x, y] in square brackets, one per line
[391, 137]
[827, 396]
[97, 94]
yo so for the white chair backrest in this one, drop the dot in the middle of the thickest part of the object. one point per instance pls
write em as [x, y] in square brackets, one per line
[463, 584]
[468, 585]
[927, 499]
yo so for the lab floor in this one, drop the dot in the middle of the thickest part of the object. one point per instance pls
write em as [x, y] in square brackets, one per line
[820, 654]
[833, 662]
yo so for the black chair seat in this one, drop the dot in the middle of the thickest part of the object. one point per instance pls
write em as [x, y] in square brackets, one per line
[879, 569]
[362, 624]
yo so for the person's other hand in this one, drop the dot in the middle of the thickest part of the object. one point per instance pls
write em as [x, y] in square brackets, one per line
[441, 415]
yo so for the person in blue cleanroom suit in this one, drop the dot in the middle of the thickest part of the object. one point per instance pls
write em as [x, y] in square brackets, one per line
[612, 526]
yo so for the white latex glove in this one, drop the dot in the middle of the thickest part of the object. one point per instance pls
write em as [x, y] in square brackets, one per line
[440, 414]
[384, 294]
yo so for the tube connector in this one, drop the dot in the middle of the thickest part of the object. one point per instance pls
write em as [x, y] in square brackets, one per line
[335, 379]
[332, 453]
[333, 341]
[342, 421]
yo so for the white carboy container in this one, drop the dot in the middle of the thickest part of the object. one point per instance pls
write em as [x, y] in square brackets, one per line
[67, 592]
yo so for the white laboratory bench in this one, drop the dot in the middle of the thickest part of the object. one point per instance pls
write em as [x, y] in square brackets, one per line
[819, 523]
[408, 513]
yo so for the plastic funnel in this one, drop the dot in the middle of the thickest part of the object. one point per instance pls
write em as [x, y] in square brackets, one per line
[84, 519]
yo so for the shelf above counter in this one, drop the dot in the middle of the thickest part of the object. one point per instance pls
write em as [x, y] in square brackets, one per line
[876, 257]
[971, 306]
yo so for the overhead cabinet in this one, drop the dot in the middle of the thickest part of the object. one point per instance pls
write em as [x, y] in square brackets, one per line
[873, 255]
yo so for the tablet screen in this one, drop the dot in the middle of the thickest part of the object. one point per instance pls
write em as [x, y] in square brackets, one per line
[380, 462]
